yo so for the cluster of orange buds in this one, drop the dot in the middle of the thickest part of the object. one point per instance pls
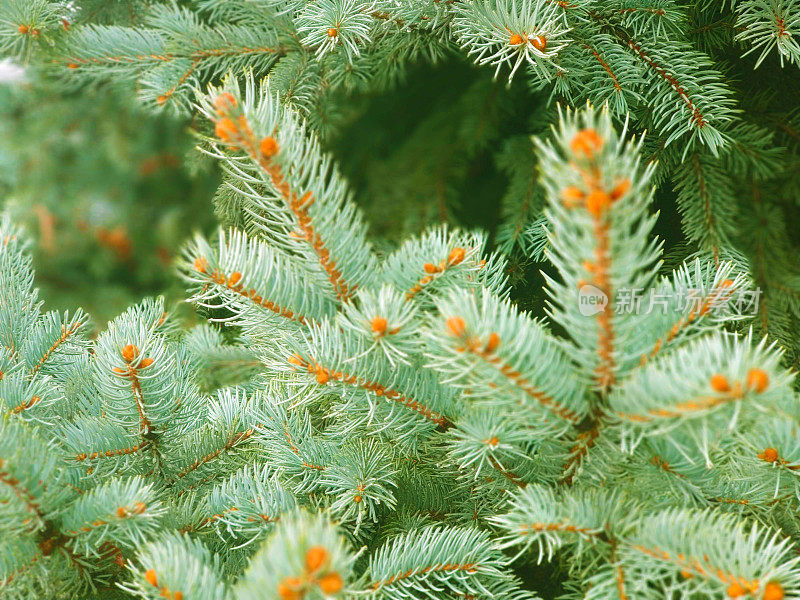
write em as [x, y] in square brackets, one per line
[316, 573]
[456, 326]
[25, 405]
[333, 32]
[124, 511]
[586, 144]
[772, 591]
[24, 29]
[226, 129]
[538, 41]
[455, 257]
[757, 381]
[130, 353]
[152, 579]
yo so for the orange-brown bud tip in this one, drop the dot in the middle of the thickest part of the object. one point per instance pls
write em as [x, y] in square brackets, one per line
[23, 29]
[161, 100]
[296, 359]
[493, 342]
[456, 326]
[735, 590]
[316, 558]
[621, 189]
[379, 325]
[515, 39]
[430, 268]
[493, 441]
[597, 202]
[201, 264]
[146, 362]
[291, 588]
[773, 591]
[151, 577]
[768, 455]
[235, 278]
[122, 512]
[330, 583]
[758, 380]
[720, 383]
[357, 499]
[225, 129]
[539, 42]
[586, 142]
[72, 66]
[333, 32]
[130, 352]
[224, 102]
[268, 147]
[456, 255]
[571, 195]
[322, 376]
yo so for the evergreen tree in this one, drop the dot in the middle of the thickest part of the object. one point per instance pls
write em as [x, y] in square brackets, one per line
[410, 433]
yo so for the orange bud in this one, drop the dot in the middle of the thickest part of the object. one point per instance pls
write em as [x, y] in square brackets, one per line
[139, 507]
[597, 202]
[456, 255]
[122, 512]
[357, 499]
[757, 380]
[72, 66]
[773, 591]
[720, 383]
[296, 359]
[234, 278]
[430, 268]
[586, 142]
[225, 129]
[161, 100]
[515, 39]
[315, 558]
[769, 455]
[571, 195]
[177, 595]
[379, 325]
[224, 103]
[268, 147]
[322, 376]
[456, 326]
[333, 32]
[119, 370]
[330, 583]
[146, 362]
[150, 575]
[201, 264]
[735, 590]
[130, 352]
[23, 29]
[621, 189]
[539, 42]
[493, 441]
[290, 588]
[493, 343]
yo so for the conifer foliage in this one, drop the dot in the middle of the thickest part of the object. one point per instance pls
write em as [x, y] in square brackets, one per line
[410, 432]
[714, 83]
